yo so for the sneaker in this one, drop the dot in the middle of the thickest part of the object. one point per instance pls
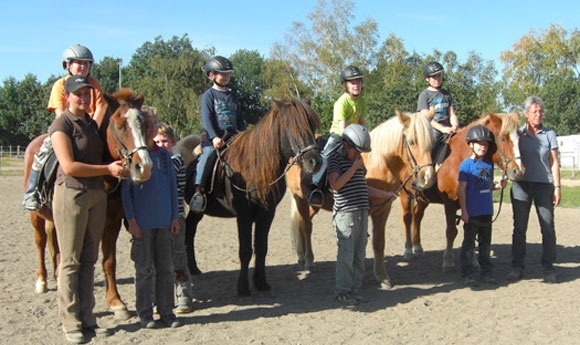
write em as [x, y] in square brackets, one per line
[184, 309]
[31, 202]
[358, 298]
[514, 275]
[346, 298]
[170, 321]
[470, 280]
[550, 277]
[96, 331]
[316, 198]
[76, 337]
[148, 323]
[197, 203]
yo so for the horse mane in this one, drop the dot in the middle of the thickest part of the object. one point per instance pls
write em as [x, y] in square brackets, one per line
[256, 154]
[386, 137]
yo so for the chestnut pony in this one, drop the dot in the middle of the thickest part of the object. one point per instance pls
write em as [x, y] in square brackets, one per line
[123, 134]
[504, 127]
[400, 157]
[250, 183]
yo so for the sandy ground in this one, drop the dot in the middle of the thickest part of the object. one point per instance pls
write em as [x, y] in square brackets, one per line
[426, 306]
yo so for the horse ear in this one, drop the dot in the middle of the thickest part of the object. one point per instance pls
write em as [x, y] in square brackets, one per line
[403, 118]
[428, 113]
[139, 100]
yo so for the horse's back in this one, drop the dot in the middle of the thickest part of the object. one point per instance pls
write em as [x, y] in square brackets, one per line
[29, 153]
[185, 147]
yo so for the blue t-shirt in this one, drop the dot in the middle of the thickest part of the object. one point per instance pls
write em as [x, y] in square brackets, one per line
[220, 112]
[478, 174]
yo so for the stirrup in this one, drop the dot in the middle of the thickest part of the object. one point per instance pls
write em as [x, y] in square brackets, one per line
[316, 198]
[198, 203]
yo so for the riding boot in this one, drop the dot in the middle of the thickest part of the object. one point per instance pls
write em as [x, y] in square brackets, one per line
[31, 201]
[316, 197]
[198, 201]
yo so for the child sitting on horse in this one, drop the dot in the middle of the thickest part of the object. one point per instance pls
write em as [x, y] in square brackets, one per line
[152, 215]
[166, 138]
[346, 177]
[77, 60]
[350, 108]
[445, 122]
[475, 198]
[221, 115]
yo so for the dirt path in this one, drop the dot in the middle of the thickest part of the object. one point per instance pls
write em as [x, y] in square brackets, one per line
[426, 306]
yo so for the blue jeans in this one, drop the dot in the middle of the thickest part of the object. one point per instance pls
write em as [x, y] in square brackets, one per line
[153, 257]
[542, 195]
[480, 227]
[351, 236]
[201, 162]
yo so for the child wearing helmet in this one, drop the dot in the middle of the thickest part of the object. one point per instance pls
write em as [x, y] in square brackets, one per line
[346, 177]
[351, 107]
[475, 198]
[77, 60]
[221, 115]
[436, 97]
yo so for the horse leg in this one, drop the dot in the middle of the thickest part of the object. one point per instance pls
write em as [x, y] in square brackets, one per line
[245, 252]
[418, 214]
[301, 228]
[407, 218]
[191, 222]
[109, 250]
[450, 234]
[262, 229]
[40, 239]
[53, 249]
[379, 221]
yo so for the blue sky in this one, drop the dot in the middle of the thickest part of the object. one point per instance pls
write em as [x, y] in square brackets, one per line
[35, 32]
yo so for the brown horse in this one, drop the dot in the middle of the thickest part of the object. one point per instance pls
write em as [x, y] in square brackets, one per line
[505, 130]
[400, 158]
[123, 134]
[250, 182]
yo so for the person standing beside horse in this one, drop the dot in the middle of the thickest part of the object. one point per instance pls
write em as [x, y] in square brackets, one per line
[166, 138]
[221, 115]
[350, 108]
[541, 185]
[152, 215]
[445, 121]
[346, 176]
[77, 60]
[79, 208]
[475, 198]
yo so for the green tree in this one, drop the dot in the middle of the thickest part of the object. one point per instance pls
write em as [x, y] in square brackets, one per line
[248, 84]
[107, 73]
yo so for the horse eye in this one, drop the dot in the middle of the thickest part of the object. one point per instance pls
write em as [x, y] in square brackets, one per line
[411, 142]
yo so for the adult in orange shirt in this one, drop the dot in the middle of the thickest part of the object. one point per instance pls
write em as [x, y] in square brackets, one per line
[77, 60]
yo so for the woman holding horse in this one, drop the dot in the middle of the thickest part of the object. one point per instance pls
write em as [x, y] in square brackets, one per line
[79, 207]
[540, 185]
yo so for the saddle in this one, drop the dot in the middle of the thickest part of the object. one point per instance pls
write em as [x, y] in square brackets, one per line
[46, 180]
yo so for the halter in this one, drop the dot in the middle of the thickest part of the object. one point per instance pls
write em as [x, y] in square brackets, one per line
[505, 161]
[125, 154]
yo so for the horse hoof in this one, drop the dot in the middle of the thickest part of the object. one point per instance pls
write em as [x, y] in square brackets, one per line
[121, 313]
[408, 255]
[418, 251]
[40, 287]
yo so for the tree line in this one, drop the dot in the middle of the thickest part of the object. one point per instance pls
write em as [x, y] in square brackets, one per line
[307, 63]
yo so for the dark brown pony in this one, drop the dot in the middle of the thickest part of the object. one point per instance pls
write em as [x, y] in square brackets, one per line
[250, 182]
[504, 128]
[400, 157]
[123, 135]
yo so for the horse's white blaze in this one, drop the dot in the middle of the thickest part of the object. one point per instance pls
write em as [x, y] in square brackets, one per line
[140, 141]
[515, 140]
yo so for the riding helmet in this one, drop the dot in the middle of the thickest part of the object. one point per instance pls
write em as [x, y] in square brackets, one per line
[76, 52]
[351, 73]
[432, 68]
[479, 133]
[358, 137]
[217, 64]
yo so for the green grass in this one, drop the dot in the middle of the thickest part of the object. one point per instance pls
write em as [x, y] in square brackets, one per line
[570, 196]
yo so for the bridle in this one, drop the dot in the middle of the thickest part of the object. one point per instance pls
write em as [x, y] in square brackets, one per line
[502, 160]
[124, 153]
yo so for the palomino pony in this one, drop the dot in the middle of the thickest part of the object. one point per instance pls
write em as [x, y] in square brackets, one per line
[400, 158]
[505, 130]
[123, 134]
[250, 183]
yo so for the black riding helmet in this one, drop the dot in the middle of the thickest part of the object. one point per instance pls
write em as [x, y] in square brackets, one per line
[351, 73]
[432, 68]
[479, 133]
[217, 64]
